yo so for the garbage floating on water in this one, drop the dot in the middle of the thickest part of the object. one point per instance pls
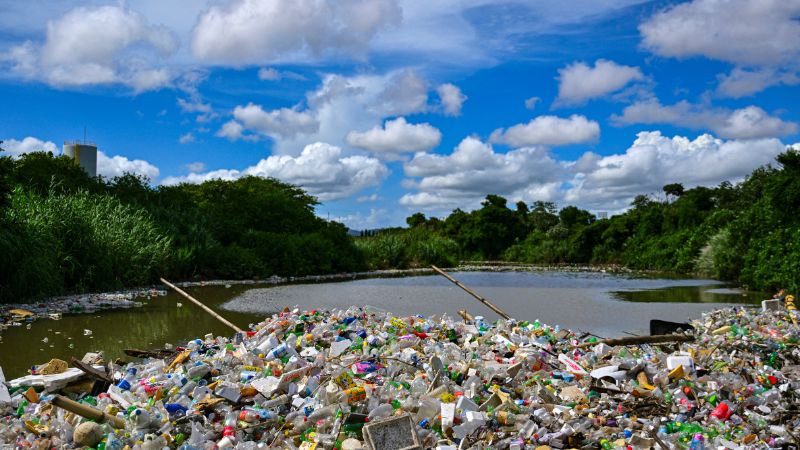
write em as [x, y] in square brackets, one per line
[13, 315]
[360, 379]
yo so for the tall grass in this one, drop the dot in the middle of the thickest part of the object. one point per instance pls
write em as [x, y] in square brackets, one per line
[79, 242]
[416, 247]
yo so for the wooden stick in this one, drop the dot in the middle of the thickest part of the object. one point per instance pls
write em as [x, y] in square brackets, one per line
[636, 340]
[91, 371]
[197, 302]
[87, 411]
[469, 291]
[465, 315]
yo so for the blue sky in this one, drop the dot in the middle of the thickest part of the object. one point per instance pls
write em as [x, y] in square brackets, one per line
[382, 108]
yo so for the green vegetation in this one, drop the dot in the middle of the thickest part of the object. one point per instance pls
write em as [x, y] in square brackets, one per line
[63, 232]
[748, 232]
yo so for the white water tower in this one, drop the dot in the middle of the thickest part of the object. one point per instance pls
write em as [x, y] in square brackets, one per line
[84, 154]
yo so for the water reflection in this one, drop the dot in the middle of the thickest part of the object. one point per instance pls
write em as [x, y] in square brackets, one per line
[691, 294]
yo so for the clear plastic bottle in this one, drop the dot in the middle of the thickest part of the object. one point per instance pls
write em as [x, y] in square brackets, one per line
[128, 380]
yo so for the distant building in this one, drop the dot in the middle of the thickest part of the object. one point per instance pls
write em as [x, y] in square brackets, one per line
[84, 154]
[602, 215]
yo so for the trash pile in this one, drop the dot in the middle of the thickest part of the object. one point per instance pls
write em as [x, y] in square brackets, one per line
[364, 379]
[24, 313]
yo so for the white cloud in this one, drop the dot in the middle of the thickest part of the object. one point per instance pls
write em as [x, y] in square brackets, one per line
[338, 105]
[441, 183]
[282, 122]
[531, 102]
[396, 136]
[116, 166]
[268, 74]
[97, 45]
[196, 166]
[550, 131]
[452, 98]
[404, 92]
[233, 130]
[473, 170]
[611, 182]
[743, 32]
[193, 106]
[187, 138]
[750, 122]
[197, 178]
[369, 198]
[320, 169]
[149, 79]
[579, 82]
[257, 31]
[15, 148]
[375, 218]
[741, 82]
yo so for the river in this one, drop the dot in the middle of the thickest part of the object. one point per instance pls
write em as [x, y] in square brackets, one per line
[604, 304]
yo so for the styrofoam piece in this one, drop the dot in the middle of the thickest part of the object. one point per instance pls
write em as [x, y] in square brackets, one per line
[393, 433]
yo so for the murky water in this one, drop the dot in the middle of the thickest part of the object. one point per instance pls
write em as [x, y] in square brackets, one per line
[604, 304]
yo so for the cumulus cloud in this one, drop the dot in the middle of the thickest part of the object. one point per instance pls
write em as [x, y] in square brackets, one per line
[611, 182]
[441, 183]
[257, 31]
[738, 31]
[750, 122]
[550, 131]
[231, 130]
[97, 45]
[107, 166]
[742, 82]
[282, 122]
[579, 82]
[339, 104]
[116, 166]
[396, 136]
[452, 98]
[474, 169]
[404, 92]
[321, 169]
[15, 148]
[759, 37]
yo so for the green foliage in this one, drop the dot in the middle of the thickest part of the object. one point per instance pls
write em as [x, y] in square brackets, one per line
[67, 232]
[748, 232]
[417, 247]
[84, 241]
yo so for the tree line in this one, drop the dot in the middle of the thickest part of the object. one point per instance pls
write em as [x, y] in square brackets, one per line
[747, 232]
[62, 231]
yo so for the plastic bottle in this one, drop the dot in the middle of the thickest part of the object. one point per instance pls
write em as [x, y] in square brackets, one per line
[127, 381]
[381, 412]
[697, 442]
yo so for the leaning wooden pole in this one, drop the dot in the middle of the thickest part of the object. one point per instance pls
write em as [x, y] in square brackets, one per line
[469, 291]
[197, 302]
[87, 411]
